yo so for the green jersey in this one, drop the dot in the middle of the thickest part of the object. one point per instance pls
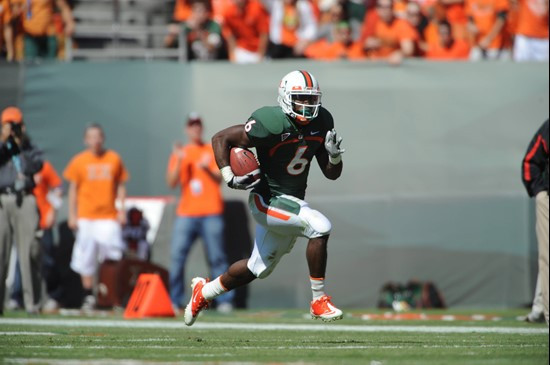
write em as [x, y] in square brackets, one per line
[285, 149]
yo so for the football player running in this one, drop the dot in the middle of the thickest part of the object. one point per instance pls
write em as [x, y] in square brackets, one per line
[286, 138]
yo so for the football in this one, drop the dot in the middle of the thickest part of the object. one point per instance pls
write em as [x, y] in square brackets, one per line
[244, 162]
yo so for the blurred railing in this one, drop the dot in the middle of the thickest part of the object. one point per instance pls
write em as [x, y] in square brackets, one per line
[116, 34]
[123, 29]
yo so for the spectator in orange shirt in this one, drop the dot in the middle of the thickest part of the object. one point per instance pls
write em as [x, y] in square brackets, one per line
[48, 199]
[455, 13]
[435, 14]
[531, 41]
[292, 28]
[418, 21]
[341, 47]
[39, 28]
[246, 30]
[97, 178]
[193, 169]
[393, 38]
[487, 29]
[449, 48]
[369, 21]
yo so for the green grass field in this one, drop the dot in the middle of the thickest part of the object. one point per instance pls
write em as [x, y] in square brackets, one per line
[274, 336]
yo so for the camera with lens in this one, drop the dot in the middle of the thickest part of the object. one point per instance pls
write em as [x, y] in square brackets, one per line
[16, 130]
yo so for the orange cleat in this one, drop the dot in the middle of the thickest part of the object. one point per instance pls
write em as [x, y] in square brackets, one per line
[197, 302]
[323, 309]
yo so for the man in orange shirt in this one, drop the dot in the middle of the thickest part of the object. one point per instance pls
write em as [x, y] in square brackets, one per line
[487, 29]
[454, 11]
[39, 28]
[246, 30]
[449, 48]
[97, 177]
[199, 213]
[393, 38]
[531, 41]
[342, 46]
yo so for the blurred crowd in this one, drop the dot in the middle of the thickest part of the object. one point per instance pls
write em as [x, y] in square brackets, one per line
[246, 31]
[250, 31]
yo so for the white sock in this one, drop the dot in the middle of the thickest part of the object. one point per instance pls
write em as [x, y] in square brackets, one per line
[317, 287]
[213, 289]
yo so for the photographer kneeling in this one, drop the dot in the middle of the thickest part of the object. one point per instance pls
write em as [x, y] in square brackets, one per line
[19, 161]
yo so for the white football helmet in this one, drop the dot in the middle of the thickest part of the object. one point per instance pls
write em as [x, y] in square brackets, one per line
[300, 96]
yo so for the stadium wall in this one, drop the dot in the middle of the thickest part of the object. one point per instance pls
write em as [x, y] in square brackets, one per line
[11, 84]
[431, 187]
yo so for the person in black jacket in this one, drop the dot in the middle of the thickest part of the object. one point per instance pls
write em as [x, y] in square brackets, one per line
[19, 161]
[535, 179]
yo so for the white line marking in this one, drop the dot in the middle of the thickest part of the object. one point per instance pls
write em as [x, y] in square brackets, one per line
[297, 347]
[266, 326]
[114, 362]
[28, 333]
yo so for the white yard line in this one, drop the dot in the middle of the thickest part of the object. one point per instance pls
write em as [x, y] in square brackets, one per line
[35, 361]
[296, 347]
[25, 333]
[176, 324]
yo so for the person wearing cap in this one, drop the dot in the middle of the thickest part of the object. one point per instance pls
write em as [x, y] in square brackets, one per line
[193, 169]
[19, 218]
[48, 194]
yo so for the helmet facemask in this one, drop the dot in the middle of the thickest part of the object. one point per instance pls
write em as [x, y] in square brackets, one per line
[305, 106]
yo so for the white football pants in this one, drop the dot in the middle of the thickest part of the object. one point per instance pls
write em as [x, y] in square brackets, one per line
[278, 226]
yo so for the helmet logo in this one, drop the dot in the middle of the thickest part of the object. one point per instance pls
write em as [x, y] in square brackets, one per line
[298, 87]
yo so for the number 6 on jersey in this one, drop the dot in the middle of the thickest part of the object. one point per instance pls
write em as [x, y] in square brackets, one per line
[298, 164]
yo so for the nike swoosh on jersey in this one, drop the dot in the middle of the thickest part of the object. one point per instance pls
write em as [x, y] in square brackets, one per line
[313, 133]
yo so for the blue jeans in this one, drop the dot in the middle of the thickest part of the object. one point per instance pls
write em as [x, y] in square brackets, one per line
[186, 230]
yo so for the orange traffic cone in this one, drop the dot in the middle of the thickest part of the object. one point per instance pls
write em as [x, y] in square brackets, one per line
[149, 299]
